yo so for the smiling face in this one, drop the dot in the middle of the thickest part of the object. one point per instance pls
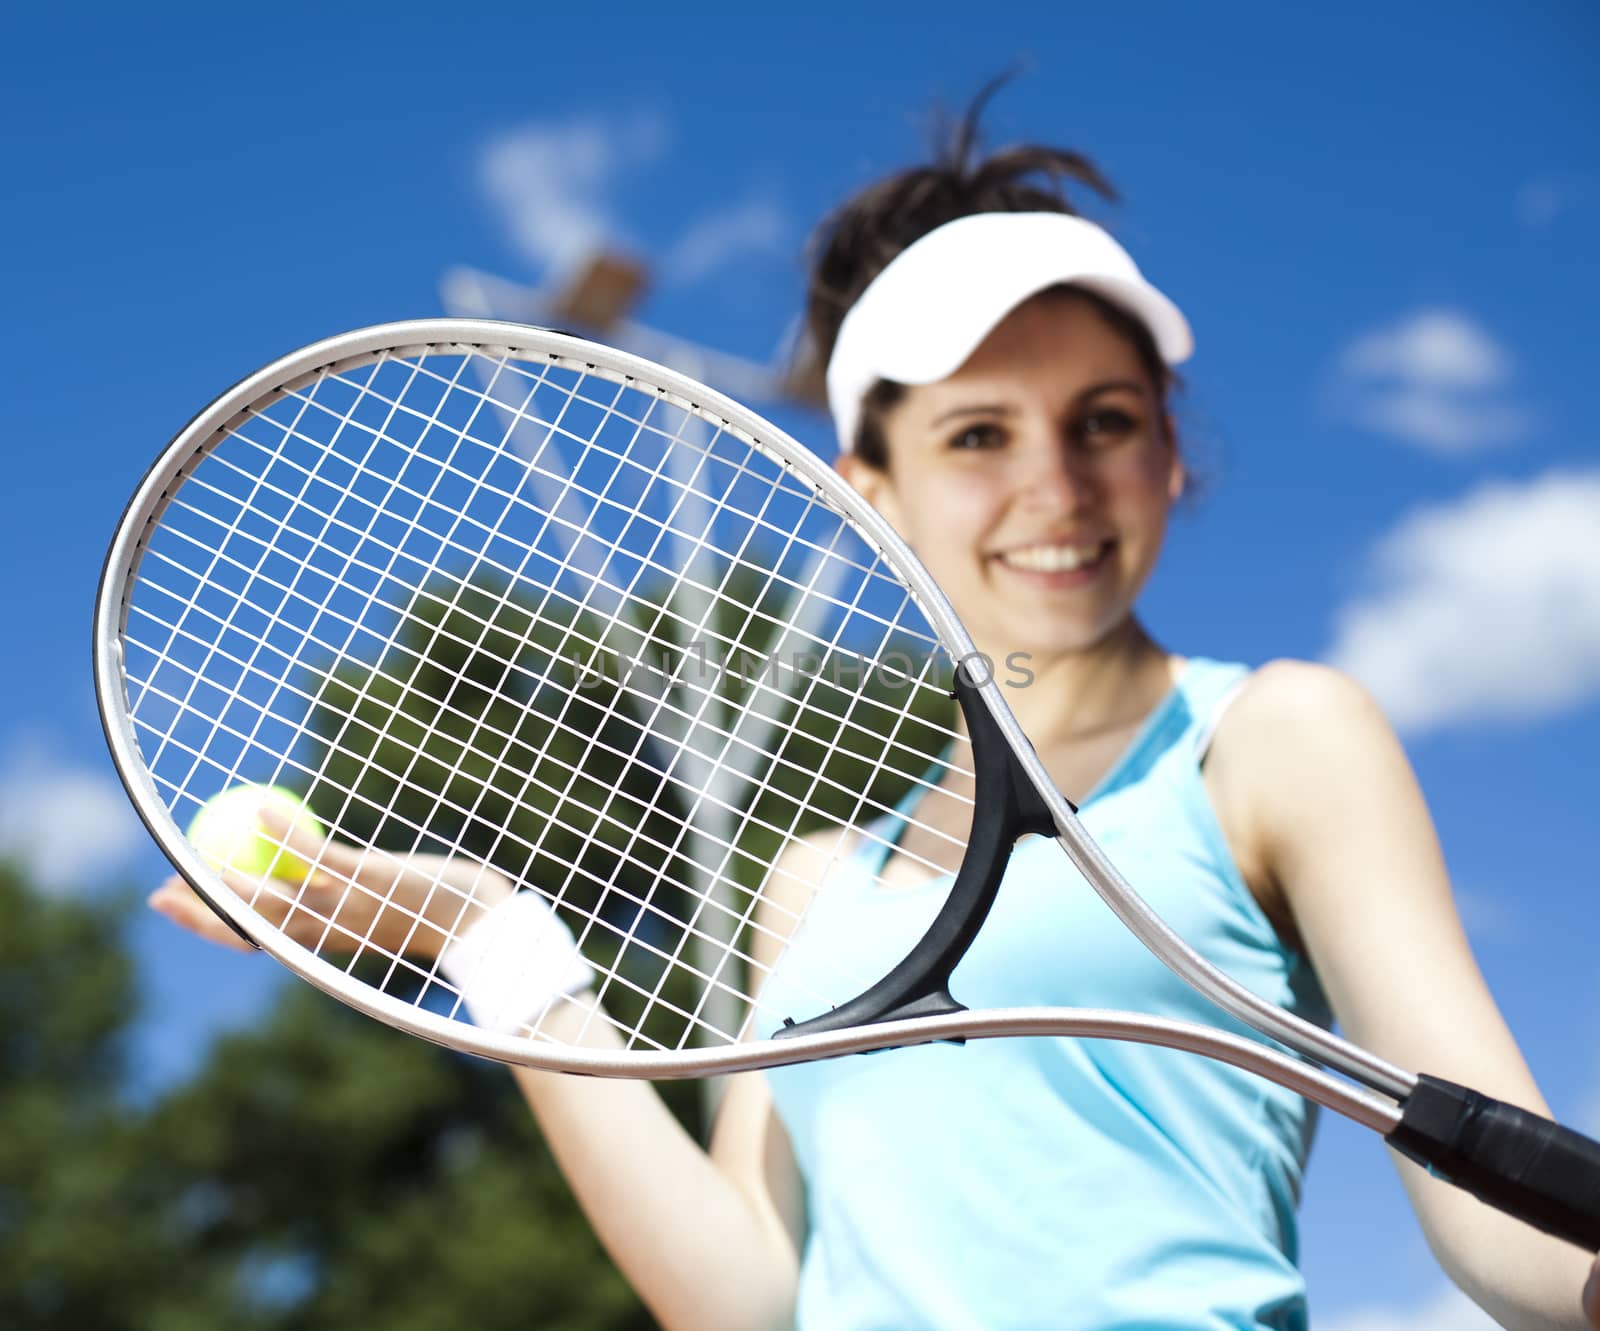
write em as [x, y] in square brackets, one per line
[1035, 481]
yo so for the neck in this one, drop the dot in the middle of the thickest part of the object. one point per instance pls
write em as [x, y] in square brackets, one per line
[1107, 687]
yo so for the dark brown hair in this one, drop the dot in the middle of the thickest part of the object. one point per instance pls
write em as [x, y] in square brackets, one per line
[859, 240]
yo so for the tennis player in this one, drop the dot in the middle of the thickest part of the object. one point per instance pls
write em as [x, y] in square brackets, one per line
[1001, 374]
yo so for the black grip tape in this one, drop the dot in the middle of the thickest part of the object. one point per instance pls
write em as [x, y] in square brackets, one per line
[1512, 1159]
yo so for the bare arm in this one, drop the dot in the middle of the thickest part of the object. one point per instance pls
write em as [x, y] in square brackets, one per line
[1325, 806]
[712, 1239]
[697, 1236]
[707, 1239]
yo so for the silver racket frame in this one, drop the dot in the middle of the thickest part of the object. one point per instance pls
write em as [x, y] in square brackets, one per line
[457, 336]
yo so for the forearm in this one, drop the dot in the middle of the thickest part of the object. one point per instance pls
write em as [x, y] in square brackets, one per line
[703, 1246]
[703, 1253]
[701, 1250]
[1524, 1279]
[1324, 803]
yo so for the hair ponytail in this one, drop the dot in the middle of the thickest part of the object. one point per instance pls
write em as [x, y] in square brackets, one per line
[862, 237]
[859, 240]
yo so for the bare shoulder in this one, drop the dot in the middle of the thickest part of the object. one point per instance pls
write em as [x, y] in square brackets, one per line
[1302, 719]
[802, 864]
[1306, 695]
[794, 878]
[1303, 758]
[1324, 798]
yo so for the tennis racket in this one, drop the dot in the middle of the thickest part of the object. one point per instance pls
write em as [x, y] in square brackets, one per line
[487, 594]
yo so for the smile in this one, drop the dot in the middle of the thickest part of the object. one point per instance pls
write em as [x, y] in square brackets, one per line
[1053, 557]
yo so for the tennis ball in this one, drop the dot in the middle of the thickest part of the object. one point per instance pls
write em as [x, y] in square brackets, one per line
[228, 833]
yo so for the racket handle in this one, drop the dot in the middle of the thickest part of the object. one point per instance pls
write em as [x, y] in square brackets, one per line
[1512, 1159]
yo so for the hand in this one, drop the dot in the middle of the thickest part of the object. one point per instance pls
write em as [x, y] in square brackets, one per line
[402, 903]
[1591, 1295]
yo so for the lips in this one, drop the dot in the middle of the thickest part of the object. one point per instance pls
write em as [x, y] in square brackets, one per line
[1056, 557]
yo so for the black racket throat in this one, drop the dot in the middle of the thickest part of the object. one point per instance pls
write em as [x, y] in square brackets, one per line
[1006, 807]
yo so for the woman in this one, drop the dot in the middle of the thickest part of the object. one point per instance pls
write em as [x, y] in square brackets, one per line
[1001, 377]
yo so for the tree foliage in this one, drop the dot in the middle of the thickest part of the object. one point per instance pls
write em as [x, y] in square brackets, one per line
[73, 1245]
[319, 1171]
[525, 730]
[346, 1175]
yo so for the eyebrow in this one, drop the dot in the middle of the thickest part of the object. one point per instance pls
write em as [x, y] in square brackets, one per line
[1003, 409]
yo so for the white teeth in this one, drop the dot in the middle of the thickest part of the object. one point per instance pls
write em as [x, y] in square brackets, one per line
[1053, 558]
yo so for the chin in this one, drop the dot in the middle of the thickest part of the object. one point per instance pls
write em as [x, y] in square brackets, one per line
[1036, 650]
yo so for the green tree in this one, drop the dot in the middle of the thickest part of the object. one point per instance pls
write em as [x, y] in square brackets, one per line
[516, 727]
[84, 1242]
[343, 1174]
[318, 1172]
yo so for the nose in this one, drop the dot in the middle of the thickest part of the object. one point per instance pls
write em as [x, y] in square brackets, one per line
[1054, 477]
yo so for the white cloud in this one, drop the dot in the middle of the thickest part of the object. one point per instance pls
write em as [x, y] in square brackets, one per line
[1433, 348]
[552, 183]
[1447, 1310]
[1440, 421]
[756, 226]
[70, 826]
[1537, 203]
[554, 187]
[1488, 916]
[1540, 201]
[1484, 608]
[1431, 379]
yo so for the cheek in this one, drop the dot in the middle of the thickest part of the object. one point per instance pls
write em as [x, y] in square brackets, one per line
[1143, 486]
[941, 518]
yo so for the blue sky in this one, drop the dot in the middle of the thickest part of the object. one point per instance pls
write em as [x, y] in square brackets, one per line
[1378, 221]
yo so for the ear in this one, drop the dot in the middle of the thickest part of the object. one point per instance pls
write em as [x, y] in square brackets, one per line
[1177, 478]
[1178, 475]
[872, 483]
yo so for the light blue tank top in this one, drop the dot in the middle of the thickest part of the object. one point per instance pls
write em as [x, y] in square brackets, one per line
[1058, 1184]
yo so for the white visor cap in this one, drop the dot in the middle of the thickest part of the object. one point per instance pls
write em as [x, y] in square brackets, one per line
[923, 315]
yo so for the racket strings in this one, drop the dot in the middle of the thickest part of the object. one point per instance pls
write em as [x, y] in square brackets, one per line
[737, 768]
[232, 531]
[678, 571]
[426, 975]
[770, 484]
[559, 727]
[420, 830]
[599, 814]
[599, 645]
[665, 709]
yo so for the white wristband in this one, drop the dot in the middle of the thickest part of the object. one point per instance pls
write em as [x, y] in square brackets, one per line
[514, 962]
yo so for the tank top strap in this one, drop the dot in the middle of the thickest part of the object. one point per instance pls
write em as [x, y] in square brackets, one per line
[1188, 715]
[1185, 719]
[1228, 685]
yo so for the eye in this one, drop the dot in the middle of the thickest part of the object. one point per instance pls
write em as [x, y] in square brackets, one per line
[970, 438]
[1106, 425]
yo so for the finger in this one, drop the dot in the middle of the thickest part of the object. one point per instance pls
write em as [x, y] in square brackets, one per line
[1591, 1295]
[178, 903]
[310, 913]
[299, 834]
[274, 899]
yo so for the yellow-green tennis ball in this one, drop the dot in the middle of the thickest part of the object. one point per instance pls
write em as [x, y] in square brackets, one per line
[228, 834]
